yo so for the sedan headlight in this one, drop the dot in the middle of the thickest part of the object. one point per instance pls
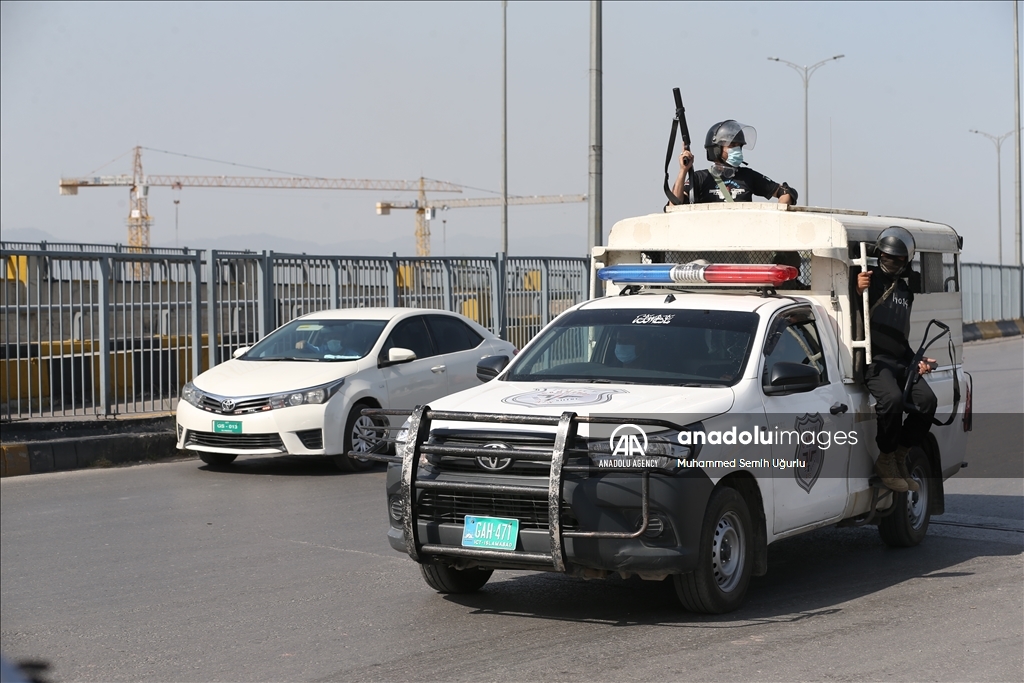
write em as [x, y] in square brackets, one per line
[313, 395]
[190, 394]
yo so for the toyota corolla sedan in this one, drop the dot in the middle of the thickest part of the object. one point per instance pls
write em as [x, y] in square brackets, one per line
[302, 388]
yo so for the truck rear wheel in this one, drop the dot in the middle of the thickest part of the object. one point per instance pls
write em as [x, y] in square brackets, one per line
[446, 579]
[724, 560]
[908, 524]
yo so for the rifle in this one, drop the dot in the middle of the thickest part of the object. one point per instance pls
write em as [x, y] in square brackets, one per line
[679, 122]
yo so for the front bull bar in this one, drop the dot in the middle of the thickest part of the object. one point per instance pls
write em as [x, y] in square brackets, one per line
[415, 445]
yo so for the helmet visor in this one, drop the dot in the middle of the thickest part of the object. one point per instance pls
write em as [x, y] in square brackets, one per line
[734, 133]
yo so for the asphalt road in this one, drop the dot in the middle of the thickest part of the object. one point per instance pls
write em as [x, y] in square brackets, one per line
[280, 570]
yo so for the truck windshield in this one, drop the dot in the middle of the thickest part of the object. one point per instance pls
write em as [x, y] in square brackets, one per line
[684, 347]
[318, 340]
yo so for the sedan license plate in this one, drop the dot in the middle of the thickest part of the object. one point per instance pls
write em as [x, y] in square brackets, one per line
[227, 426]
[492, 533]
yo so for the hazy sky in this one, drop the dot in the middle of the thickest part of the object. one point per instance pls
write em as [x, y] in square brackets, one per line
[375, 90]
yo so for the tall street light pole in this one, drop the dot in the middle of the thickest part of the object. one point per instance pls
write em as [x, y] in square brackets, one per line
[805, 74]
[998, 142]
[1016, 136]
[504, 128]
[596, 222]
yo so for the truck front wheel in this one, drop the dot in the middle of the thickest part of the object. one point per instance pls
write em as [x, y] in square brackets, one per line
[908, 524]
[446, 579]
[724, 560]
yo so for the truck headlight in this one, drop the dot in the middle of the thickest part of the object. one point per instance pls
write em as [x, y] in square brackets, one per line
[662, 452]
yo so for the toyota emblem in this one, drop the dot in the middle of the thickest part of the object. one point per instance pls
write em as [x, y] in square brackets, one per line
[228, 405]
[494, 464]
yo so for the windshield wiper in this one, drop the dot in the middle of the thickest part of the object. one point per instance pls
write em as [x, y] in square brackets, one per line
[315, 360]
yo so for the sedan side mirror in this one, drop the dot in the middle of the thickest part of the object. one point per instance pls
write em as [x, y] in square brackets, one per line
[791, 378]
[398, 355]
[237, 353]
[490, 367]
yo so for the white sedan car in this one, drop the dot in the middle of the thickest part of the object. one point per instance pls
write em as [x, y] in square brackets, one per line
[302, 388]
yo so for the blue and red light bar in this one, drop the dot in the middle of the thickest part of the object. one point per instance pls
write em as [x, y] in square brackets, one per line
[698, 274]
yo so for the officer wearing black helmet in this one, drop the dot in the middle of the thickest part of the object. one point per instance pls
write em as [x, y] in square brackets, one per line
[890, 299]
[727, 180]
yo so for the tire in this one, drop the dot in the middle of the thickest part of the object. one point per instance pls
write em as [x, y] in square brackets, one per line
[724, 559]
[359, 437]
[217, 459]
[908, 524]
[445, 579]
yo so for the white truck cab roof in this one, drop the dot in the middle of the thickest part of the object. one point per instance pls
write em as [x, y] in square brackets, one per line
[826, 243]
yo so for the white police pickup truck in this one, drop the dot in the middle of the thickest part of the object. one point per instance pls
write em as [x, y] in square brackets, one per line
[709, 404]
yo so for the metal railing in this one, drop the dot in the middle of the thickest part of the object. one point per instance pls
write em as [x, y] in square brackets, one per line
[991, 292]
[114, 332]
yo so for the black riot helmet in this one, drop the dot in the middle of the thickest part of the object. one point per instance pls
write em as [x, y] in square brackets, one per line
[896, 242]
[728, 134]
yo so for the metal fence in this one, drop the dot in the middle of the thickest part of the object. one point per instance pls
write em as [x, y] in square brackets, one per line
[991, 292]
[90, 332]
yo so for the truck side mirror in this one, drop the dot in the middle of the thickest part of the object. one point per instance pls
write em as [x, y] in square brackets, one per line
[791, 378]
[490, 367]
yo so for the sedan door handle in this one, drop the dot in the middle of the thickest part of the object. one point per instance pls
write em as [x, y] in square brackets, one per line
[437, 368]
[838, 408]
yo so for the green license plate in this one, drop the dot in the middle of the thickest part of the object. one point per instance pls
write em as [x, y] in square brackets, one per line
[492, 533]
[227, 426]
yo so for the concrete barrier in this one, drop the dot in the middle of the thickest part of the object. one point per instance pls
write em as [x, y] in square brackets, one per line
[993, 329]
[35, 448]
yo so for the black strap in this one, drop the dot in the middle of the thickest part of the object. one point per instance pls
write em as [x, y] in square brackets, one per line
[672, 198]
[915, 375]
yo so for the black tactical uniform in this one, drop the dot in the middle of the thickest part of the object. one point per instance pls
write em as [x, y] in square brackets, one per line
[743, 185]
[891, 354]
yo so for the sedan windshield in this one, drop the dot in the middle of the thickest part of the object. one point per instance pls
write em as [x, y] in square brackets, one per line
[641, 347]
[318, 340]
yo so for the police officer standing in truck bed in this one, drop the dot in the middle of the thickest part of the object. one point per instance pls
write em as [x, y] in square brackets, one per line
[727, 180]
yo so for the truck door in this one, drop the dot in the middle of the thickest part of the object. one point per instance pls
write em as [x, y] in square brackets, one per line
[809, 456]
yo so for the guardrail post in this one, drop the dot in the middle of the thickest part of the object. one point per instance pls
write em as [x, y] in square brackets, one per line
[197, 324]
[264, 295]
[104, 340]
[499, 296]
[212, 317]
[333, 284]
[545, 292]
[446, 286]
[393, 280]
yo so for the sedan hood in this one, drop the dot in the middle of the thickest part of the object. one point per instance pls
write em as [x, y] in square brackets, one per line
[259, 378]
[676, 404]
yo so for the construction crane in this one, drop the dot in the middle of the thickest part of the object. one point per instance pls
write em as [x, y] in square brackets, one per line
[140, 222]
[425, 210]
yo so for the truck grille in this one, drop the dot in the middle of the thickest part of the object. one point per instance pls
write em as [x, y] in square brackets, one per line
[542, 443]
[253, 441]
[451, 508]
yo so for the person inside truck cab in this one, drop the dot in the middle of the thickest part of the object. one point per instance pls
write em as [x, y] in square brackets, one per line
[629, 349]
[890, 299]
[727, 180]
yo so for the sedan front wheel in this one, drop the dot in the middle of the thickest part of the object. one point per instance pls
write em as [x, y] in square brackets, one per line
[362, 433]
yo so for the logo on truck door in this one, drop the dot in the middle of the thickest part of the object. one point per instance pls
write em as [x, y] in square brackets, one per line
[809, 457]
